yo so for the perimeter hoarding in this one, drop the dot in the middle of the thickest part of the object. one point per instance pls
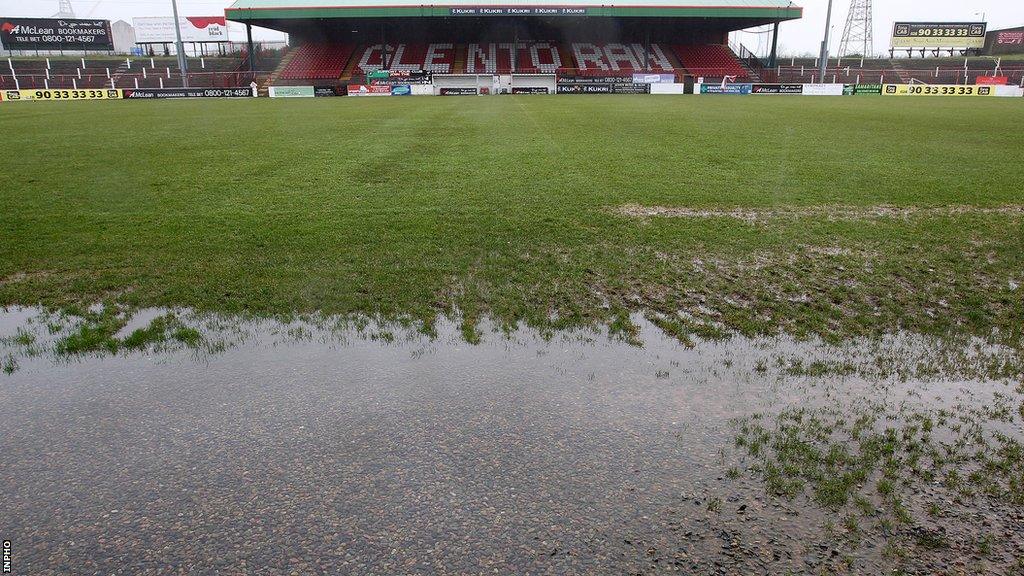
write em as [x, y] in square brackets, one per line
[777, 89]
[936, 90]
[735, 89]
[603, 88]
[160, 30]
[55, 34]
[939, 35]
[291, 91]
[165, 93]
[823, 90]
[654, 79]
[458, 91]
[862, 90]
[368, 90]
[90, 94]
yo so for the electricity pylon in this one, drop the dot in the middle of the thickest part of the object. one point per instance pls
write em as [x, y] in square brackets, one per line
[65, 10]
[858, 38]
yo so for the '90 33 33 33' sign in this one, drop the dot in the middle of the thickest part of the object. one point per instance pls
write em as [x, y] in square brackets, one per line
[936, 90]
[939, 34]
[60, 94]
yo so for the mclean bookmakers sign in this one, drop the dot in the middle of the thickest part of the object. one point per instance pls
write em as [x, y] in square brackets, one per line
[55, 34]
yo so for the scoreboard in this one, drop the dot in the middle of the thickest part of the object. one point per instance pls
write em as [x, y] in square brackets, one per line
[939, 35]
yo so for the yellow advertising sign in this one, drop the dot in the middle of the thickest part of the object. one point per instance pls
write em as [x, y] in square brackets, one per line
[936, 90]
[61, 94]
[939, 34]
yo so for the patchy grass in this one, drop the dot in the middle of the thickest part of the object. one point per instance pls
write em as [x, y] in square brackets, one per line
[96, 332]
[188, 336]
[9, 365]
[412, 208]
[154, 333]
[898, 472]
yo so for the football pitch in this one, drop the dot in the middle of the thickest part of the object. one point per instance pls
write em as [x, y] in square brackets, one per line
[829, 216]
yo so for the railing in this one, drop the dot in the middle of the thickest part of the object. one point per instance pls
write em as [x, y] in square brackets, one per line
[781, 74]
[127, 81]
[853, 75]
[747, 57]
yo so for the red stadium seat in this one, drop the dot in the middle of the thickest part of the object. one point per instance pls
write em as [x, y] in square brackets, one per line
[496, 58]
[710, 60]
[439, 58]
[613, 59]
[318, 61]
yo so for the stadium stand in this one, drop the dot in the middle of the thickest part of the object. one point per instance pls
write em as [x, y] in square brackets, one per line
[496, 58]
[578, 58]
[439, 58]
[340, 63]
[317, 61]
[106, 72]
[711, 61]
[900, 70]
[603, 59]
[610, 39]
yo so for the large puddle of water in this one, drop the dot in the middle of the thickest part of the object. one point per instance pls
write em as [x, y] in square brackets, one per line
[304, 449]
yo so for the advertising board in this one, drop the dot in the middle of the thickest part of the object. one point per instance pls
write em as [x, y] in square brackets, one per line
[399, 77]
[89, 94]
[1010, 38]
[594, 79]
[777, 89]
[823, 90]
[166, 93]
[477, 11]
[368, 90]
[160, 29]
[653, 79]
[734, 89]
[584, 89]
[604, 88]
[939, 34]
[936, 90]
[862, 90]
[529, 90]
[1008, 91]
[55, 34]
[458, 91]
[292, 92]
[668, 88]
[630, 88]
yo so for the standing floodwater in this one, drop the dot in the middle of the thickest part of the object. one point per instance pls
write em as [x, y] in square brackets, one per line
[303, 450]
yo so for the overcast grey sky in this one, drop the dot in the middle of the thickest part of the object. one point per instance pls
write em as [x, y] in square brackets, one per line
[802, 36]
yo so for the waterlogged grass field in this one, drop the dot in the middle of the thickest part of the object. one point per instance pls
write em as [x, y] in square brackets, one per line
[837, 217]
[891, 228]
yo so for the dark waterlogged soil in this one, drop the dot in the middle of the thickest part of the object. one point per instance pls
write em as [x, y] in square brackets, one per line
[310, 450]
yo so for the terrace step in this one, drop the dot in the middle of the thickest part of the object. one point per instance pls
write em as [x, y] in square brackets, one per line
[350, 67]
[280, 67]
[459, 67]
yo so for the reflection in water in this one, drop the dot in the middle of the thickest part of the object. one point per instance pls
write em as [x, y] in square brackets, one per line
[322, 446]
